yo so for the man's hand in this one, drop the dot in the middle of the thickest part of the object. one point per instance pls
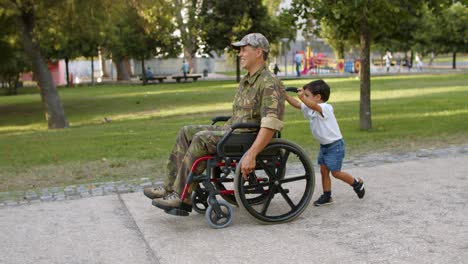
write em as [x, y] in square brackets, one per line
[248, 164]
[263, 138]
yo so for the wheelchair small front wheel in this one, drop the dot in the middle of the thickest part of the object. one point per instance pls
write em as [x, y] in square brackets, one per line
[200, 200]
[219, 218]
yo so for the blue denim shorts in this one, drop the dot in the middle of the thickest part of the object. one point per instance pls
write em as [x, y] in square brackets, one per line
[332, 155]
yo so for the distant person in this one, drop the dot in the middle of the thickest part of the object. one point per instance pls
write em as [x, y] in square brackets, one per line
[408, 63]
[298, 61]
[185, 69]
[398, 62]
[276, 69]
[419, 63]
[325, 129]
[149, 73]
[388, 60]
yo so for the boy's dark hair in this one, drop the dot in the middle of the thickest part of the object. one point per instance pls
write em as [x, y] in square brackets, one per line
[319, 87]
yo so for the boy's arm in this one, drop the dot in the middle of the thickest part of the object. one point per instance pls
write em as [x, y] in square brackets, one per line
[292, 101]
[309, 103]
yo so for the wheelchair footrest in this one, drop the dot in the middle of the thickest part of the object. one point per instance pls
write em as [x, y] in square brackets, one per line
[183, 210]
[177, 212]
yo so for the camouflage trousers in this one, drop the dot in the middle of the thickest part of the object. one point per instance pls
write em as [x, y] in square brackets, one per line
[192, 143]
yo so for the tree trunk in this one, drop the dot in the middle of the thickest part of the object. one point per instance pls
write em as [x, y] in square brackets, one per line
[103, 66]
[122, 72]
[339, 51]
[365, 102]
[128, 68]
[92, 70]
[411, 58]
[67, 72]
[188, 39]
[143, 72]
[454, 62]
[54, 113]
[13, 82]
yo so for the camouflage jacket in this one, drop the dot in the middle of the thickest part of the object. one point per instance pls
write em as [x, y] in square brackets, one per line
[259, 100]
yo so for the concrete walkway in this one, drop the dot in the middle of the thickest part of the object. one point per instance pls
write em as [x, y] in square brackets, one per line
[413, 212]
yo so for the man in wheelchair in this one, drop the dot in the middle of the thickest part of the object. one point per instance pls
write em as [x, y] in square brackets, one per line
[259, 100]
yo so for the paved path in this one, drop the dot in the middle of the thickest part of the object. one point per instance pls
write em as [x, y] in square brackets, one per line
[413, 212]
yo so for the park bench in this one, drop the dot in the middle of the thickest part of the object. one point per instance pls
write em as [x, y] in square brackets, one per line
[194, 77]
[155, 78]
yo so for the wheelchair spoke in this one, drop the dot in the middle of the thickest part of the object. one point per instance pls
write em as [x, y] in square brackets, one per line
[268, 169]
[298, 178]
[284, 159]
[286, 197]
[257, 185]
[267, 203]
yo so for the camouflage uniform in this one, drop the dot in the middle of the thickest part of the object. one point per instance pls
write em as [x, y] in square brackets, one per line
[258, 99]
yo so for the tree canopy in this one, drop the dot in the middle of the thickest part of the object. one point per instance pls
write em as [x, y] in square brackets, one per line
[35, 31]
[362, 22]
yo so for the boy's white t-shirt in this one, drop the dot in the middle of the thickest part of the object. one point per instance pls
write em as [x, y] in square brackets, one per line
[324, 128]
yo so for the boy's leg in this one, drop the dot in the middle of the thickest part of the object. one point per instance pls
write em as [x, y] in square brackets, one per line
[325, 198]
[334, 161]
[341, 175]
[357, 184]
[326, 181]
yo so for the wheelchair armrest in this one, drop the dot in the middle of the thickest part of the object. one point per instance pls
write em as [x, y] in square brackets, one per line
[216, 119]
[245, 125]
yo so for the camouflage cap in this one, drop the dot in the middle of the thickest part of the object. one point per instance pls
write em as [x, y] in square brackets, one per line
[256, 40]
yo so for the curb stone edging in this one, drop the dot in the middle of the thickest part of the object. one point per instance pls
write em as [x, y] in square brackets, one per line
[81, 191]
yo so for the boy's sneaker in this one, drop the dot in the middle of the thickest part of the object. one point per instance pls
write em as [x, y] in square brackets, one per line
[360, 191]
[323, 200]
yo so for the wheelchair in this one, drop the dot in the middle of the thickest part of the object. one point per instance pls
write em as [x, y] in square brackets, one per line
[277, 191]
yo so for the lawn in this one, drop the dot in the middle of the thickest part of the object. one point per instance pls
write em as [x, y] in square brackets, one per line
[408, 113]
[449, 58]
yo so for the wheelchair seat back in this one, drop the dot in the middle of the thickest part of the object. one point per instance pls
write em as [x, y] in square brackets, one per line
[237, 144]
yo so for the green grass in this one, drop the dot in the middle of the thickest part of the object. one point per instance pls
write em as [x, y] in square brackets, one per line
[408, 113]
[449, 58]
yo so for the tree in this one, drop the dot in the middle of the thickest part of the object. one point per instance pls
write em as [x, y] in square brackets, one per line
[454, 21]
[26, 14]
[139, 29]
[444, 30]
[14, 60]
[187, 23]
[359, 22]
[73, 29]
[154, 32]
[221, 23]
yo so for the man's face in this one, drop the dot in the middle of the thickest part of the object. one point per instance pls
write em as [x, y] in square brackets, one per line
[248, 56]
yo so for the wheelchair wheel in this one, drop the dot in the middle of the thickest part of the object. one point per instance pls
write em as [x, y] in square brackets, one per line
[200, 200]
[287, 180]
[229, 185]
[219, 219]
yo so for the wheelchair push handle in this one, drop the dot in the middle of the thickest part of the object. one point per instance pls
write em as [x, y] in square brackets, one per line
[291, 89]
